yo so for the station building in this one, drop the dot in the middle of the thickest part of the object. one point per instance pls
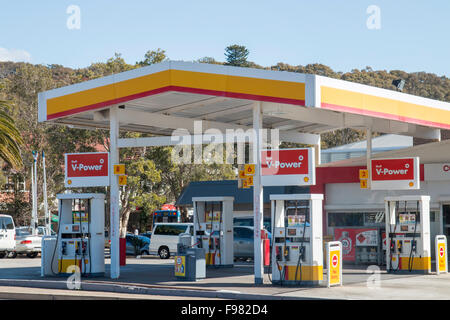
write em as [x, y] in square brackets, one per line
[349, 211]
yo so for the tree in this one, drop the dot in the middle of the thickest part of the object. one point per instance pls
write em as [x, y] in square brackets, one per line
[139, 191]
[209, 60]
[236, 55]
[175, 177]
[152, 57]
[10, 139]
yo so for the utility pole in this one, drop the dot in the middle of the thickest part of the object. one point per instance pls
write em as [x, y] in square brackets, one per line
[47, 213]
[34, 215]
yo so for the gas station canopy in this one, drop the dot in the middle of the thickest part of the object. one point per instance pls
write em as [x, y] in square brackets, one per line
[160, 98]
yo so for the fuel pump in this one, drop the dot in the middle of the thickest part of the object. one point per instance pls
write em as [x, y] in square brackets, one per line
[81, 239]
[297, 256]
[408, 234]
[213, 229]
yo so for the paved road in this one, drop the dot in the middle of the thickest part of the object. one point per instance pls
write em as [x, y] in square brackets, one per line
[23, 293]
[154, 276]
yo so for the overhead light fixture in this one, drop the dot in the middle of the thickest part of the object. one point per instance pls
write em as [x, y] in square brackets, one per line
[399, 84]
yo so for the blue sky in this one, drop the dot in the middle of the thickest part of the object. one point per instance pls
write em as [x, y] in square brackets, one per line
[413, 34]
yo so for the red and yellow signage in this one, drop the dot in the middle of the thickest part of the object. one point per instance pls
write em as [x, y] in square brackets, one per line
[249, 169]
[89, 169]
[122, 180]
[370, 101]
[335, 267]
[180, 266]
[363, 174]
[395, 174]
[119, 169]
[249, 181]
[441, 256]
[287, 167]
[134, 85]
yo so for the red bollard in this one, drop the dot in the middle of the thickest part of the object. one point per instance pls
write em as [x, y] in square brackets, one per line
[122, 251]
[266, 247]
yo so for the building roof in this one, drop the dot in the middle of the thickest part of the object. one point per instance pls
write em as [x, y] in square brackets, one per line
[384, 142]
[381, 143]
[170, 95]
[435, 152]
[229, 188]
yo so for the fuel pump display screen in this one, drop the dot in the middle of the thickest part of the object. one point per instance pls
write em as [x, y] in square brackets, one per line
[292, 232]
[297, 213]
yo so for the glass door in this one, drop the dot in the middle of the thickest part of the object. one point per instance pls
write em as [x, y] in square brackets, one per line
[446, 219]
[446, 222]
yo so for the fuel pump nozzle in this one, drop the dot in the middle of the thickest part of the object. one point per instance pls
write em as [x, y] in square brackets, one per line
[399, 246]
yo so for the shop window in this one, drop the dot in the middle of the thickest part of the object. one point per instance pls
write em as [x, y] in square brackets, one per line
[345, 219]
[369, 219]
[374, 218]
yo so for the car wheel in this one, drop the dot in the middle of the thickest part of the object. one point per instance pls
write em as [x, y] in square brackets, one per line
[12, 255]
[2, 255]
[164, 253]
[32, 255]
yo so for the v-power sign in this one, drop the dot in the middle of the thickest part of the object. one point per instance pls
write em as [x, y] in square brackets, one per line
[395, 174]
[86, 169]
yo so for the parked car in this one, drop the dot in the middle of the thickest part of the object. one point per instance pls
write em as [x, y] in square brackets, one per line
[248, 221]
[243, 242]
[7, 235]
[138, 242]
[26, 243]
[107, 239]
[165, 237]
[147, 234]
[42, 231]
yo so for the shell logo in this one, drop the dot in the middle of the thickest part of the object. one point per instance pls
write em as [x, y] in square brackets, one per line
[306, 179]
[69, 182]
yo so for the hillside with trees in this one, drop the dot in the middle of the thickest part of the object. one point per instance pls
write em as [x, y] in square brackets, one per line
[153, 178]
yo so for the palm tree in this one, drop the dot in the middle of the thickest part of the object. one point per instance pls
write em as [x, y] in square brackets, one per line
[10, 139]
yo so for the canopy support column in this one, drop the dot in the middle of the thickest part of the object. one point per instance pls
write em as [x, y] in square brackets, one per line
[369, 155]
[258, 204]
[114, 193]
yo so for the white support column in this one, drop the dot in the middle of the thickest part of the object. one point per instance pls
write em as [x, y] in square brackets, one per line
[317, 151]
[114, 193]
[258, 202]
[369, 155]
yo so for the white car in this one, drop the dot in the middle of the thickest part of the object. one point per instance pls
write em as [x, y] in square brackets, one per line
[7, 235]
[26, 243]
[165, 237]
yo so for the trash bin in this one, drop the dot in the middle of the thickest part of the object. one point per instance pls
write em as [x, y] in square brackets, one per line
[49, 256]
[190, 263]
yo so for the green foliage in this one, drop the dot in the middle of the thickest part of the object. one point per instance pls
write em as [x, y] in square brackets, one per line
[236, 55]
[153, 179]
[209, 60]
[10, 139]
[152, 57]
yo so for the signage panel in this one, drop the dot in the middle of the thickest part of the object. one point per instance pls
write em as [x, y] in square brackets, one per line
[86, 169]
